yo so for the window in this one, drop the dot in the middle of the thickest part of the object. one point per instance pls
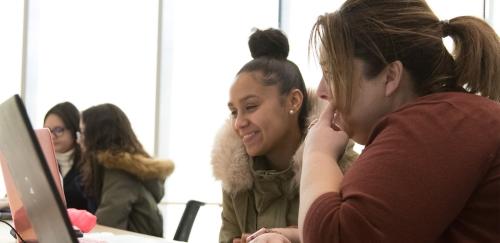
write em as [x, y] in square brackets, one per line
[204, 47]
[11, 44]
[491, 8]
[298, 20]
[94, 52]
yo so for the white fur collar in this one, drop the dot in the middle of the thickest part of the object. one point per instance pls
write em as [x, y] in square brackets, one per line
[231, 163]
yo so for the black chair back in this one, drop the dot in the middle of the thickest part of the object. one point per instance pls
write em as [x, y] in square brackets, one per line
[187, 220]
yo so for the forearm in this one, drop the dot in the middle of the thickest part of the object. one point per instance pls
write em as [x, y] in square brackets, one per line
[320, 175]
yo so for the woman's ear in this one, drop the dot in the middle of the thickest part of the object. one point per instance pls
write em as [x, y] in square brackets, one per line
[295, 99]
[394, 74]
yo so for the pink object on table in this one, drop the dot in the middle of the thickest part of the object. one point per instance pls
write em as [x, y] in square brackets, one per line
[82, 219]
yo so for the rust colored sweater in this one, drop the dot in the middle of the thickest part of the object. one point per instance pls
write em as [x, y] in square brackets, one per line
[430, 173]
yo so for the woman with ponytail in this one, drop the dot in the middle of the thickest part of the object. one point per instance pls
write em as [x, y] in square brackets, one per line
[429, 120]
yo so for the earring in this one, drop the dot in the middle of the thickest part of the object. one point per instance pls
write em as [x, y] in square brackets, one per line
[291, 112]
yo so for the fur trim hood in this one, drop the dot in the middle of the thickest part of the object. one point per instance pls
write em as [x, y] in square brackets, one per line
[231, 163]
[138, 165]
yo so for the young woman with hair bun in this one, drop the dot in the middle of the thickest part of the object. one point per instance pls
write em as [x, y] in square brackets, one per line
[258, 153]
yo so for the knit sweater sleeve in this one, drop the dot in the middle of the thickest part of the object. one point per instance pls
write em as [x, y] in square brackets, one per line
[417, 175]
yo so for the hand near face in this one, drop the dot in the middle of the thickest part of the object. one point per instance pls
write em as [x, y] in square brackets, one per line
[325, 139]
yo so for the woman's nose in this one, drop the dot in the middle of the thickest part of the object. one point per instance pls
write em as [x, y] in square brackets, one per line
[240, 121]
[323, 91]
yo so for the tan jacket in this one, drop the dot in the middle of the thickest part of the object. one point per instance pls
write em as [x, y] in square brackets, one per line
[254, 198]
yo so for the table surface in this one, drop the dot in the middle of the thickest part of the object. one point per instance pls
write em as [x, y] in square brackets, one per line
[100, 233]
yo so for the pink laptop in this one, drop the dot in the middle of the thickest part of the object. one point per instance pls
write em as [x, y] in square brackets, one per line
[19, 215]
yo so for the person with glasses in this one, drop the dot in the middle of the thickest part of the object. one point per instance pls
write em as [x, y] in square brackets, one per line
[63, 122]
[120, 177]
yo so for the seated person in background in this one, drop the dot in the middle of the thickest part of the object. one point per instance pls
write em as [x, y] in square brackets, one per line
[63, 121]
[257, 154]
[119, 176]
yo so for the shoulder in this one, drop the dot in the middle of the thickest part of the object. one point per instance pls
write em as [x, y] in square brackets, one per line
[451, 104]
[449, 107]
[452, 122]
[117, 176]
[143, 167]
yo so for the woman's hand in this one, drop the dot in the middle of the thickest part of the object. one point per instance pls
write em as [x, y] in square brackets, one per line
[324, 145]
[278, 235]
[325, 139]
[243, 238]
[265, 235]
[271, 237]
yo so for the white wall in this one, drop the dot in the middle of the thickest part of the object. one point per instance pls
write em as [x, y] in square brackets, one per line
[11, 43]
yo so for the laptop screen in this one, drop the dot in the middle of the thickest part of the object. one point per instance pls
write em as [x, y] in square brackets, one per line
[31, 175]
[19, 216]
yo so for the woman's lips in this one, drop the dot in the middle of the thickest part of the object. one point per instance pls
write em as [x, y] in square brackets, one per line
[248, 138]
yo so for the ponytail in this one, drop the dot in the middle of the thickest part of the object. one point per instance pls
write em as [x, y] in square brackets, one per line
[476, 54]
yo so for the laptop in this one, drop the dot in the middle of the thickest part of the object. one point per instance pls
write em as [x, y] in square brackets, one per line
[32, 176]
[19, 216]
[34, 184]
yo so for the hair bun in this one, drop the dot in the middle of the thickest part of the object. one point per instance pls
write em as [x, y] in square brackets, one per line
[268, 43]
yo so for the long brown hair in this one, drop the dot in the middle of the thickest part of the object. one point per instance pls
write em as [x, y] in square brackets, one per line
[381, 31]
[107, 129]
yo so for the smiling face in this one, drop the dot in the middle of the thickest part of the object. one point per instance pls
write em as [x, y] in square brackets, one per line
[61, 136]
[261, 116]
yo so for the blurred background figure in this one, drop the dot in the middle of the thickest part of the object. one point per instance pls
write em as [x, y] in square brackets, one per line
[63, 121]
[120, 177]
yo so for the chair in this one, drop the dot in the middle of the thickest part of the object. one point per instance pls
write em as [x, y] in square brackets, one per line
[187, 220]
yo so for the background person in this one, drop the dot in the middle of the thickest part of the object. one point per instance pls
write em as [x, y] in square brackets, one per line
[123, 180]
[63, 121]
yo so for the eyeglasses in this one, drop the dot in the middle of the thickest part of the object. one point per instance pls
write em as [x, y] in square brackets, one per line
[57, 131]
